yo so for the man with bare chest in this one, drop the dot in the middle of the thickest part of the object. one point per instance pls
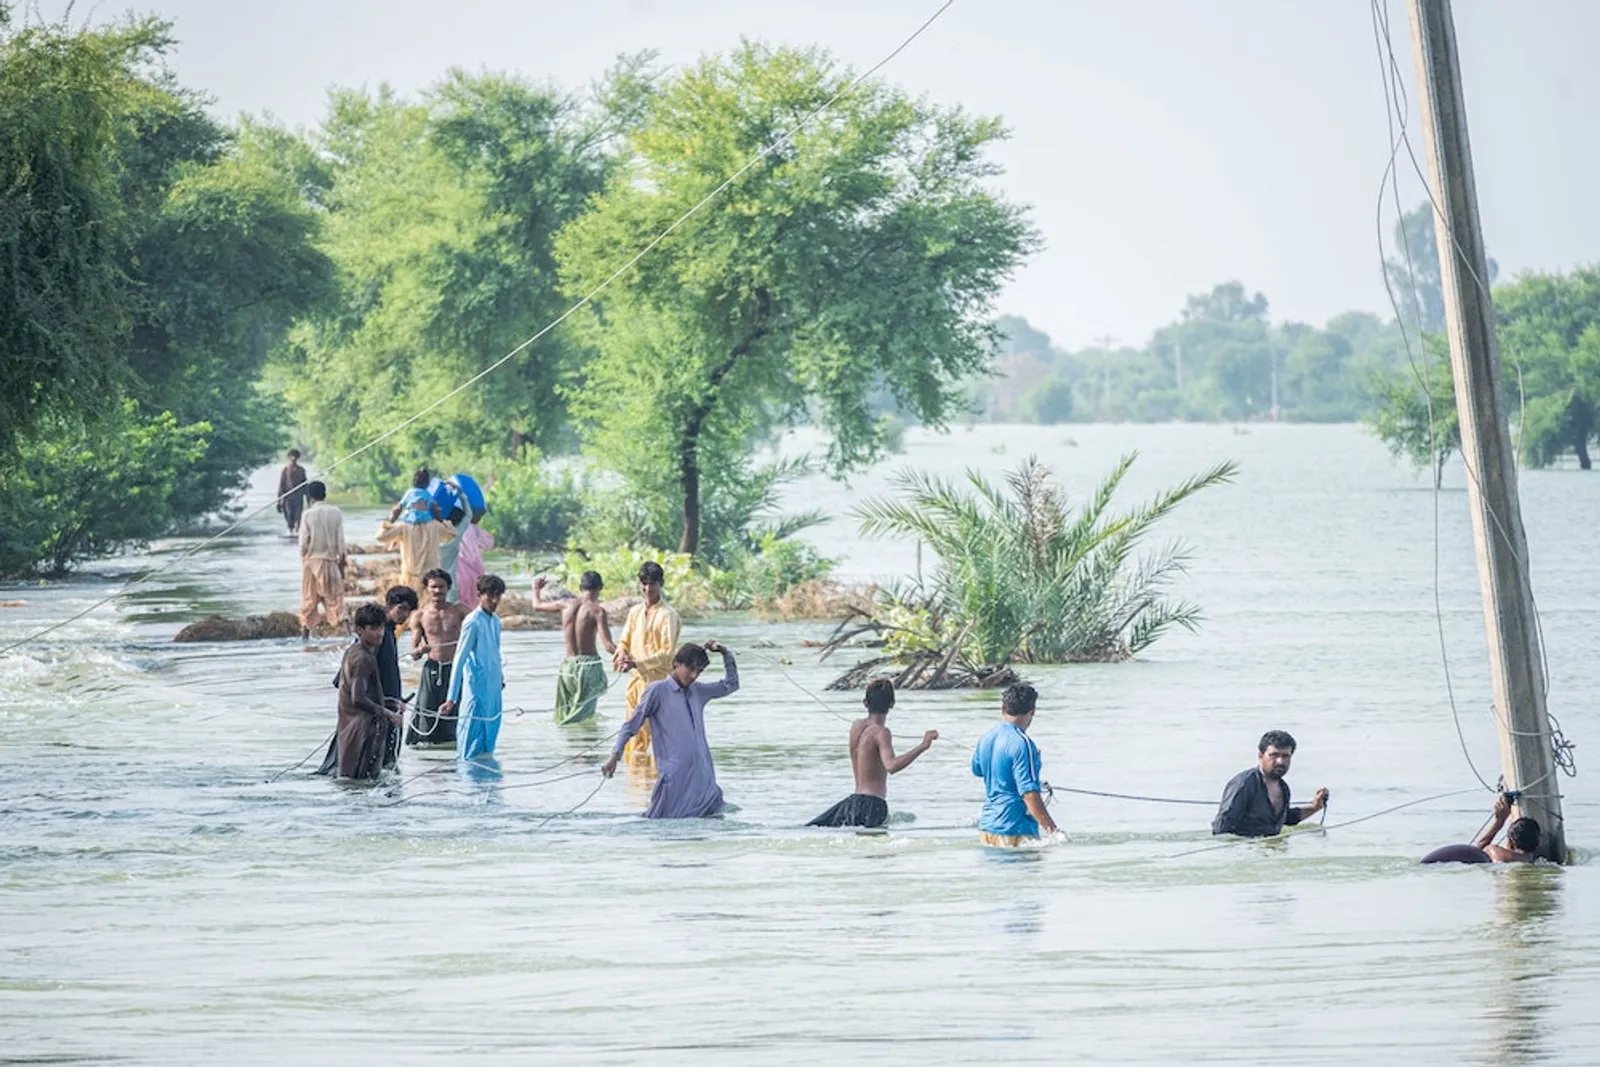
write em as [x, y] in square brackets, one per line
[872, 759]
[435, 630]
[583, 674]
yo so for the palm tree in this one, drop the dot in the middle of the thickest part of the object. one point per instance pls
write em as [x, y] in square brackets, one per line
[1022, 577]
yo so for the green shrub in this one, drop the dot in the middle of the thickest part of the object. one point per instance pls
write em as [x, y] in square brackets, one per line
[532, 506]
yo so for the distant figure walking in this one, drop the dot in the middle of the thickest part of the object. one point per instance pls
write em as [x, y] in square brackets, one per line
[322, 558]
[291, 491]
[872, 759]
[649, 641]
[478, 678]
[583, 674]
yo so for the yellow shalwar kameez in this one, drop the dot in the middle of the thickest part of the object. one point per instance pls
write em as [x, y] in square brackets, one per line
[650, 639]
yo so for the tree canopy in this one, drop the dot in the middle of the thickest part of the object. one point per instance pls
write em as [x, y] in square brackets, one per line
[862, 253]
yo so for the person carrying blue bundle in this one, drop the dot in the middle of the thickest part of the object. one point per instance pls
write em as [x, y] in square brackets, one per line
[418, 505]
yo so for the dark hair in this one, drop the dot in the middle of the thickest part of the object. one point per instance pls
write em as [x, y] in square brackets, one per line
[439, 573]
[457, 513]
[652, 572]
[401, 594]
[421, 479]
[1276, 739]
[316, 491]
[1019, 699]
[692, 656]
[492, 584]
[1524, 835]
[294, 453]
[368, 616]
[879, 697]
[591, 580]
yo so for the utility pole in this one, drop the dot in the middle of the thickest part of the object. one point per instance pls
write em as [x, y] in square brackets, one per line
[1526, 756]
[1105, 365]
[1177, 363]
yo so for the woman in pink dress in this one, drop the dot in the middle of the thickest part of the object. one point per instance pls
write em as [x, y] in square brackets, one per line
[475, 541]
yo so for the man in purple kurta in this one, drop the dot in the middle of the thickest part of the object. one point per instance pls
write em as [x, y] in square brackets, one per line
[686, 786]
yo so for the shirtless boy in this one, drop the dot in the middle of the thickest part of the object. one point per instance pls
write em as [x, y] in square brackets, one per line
[434, 633]
[873, 760]
[583, 674]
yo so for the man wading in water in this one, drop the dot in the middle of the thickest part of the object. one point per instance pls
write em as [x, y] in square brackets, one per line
[1255, 803]
[583, 673]
[435, 630]
[872, 759]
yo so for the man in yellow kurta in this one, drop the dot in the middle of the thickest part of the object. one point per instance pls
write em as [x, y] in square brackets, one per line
[649, 641]
[419, 548]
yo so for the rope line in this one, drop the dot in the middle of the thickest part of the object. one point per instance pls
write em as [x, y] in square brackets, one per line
[772, 146]
[1232, 841]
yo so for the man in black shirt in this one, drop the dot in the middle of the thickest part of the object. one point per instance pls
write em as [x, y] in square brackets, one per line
[1255, 803]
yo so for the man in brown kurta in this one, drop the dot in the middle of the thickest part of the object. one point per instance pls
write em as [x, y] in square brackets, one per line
[365, 717]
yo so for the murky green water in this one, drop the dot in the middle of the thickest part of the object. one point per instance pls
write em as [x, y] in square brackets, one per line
[161, 902]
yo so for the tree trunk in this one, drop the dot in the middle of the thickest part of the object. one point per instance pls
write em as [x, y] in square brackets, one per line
[689, 458]
[689, 444]
[1582, 448]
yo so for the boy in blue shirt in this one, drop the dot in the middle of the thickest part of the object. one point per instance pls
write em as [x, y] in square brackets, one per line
[1008, 762]
[418, 505]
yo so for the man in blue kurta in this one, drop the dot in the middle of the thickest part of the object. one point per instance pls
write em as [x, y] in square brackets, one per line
[476, 682]
[1008, 762]
[686, 784]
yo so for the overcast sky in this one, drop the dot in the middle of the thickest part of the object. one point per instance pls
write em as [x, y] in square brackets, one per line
[1164, 146]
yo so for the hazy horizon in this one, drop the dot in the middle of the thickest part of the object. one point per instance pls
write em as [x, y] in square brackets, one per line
[1163, 149]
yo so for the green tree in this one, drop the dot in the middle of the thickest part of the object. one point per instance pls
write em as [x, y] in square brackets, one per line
[863, 251]
[1049, 402]
[62, 97]
[1549, 333]
[441, 220]
[1416, 411]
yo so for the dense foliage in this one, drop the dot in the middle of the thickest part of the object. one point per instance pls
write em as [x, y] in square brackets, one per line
[150, 260]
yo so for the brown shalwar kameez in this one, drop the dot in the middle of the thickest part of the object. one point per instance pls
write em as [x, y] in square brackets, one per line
[363, 724]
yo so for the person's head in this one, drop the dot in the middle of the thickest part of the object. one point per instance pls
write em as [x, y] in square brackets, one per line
[1018, 702]
[294, 455]
[438, 582]
[1524, 835]
[651, 577]
[490, 589]
[369, 625]
[421, 478]
[400, 601]
[1275, 752]
[687, 664]
[316, 491]
[879, 697]
[591, 582]
[457, 513]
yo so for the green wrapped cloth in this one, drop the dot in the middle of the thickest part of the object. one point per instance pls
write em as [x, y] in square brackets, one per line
[578, 687]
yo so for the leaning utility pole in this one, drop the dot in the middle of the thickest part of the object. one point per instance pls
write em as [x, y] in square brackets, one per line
[1526, 756]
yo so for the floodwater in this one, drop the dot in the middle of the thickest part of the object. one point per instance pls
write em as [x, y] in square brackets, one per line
[162, 901]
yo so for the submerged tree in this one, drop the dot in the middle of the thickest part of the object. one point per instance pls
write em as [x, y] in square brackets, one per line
[1023, 577]
[860, 255]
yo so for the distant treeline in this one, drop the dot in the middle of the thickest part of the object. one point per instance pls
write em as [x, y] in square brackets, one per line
[1223, 359]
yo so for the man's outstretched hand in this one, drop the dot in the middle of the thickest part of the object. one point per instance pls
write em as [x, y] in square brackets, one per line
[609, 767]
